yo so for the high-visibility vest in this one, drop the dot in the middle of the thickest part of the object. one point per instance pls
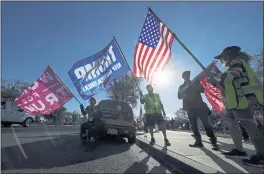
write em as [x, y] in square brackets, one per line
[152, 104]
[236, 90]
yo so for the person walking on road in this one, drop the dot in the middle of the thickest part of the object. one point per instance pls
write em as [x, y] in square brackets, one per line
[242, 89]
[153, 112]
[195, 107]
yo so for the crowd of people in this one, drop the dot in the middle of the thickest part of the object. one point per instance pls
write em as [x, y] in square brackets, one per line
[241, 89]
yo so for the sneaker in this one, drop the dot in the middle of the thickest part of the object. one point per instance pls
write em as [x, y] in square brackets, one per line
[215, 147]
[255, 161]
[83, 141]
[196, 145]
[167, 143]
[152, 141]
[246, 140]
[236, 154]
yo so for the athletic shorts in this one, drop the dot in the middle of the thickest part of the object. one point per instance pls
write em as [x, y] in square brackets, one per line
[153, 119]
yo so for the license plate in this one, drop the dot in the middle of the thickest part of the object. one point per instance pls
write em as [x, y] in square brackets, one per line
[112, 131]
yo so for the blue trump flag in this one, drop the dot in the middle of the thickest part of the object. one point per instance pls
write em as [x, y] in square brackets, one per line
[94, 73]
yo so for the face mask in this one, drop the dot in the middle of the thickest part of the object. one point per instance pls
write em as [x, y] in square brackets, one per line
[224, 63]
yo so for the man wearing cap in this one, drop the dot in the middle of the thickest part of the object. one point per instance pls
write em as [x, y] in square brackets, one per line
[153, 112]
[242, 89]
[193, 103]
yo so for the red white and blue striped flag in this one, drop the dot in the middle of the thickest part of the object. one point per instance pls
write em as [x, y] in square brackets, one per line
[153, 48]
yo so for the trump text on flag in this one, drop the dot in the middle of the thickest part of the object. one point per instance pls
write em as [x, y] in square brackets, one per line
[45, 95]
[94, 73]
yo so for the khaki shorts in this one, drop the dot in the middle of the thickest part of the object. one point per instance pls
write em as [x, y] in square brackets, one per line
[153, 119]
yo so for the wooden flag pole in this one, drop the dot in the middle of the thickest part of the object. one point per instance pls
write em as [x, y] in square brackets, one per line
[126, 63]
[180, 42]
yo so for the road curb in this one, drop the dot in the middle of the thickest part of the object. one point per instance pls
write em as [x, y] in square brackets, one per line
[176, 162]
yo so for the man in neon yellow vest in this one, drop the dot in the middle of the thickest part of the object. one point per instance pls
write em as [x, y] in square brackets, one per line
[242, 89]
[153, 112]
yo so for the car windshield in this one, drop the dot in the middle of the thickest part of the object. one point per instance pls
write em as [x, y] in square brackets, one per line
[119, 107]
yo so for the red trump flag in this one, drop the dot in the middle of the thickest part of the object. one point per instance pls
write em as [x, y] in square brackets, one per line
[45, 95]
[213, 94]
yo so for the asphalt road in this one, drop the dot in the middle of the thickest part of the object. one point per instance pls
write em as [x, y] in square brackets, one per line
[57, 149]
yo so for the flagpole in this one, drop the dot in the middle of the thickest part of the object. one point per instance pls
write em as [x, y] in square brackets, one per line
[180, 42]
[210, 65]
[127, 63]
[65, 85]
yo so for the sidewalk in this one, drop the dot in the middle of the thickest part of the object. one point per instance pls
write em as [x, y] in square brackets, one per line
[180, 145]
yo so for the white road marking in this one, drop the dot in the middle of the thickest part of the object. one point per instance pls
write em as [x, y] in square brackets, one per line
[19, 144]
[50, 137]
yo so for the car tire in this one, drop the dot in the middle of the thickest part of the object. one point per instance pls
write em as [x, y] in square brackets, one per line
[27, 122]
[132, 140]
[7, 124]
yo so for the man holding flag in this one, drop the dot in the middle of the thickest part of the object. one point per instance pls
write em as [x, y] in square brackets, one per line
[88, 111]
[242, 89]
[153, 111]
[152, 54]
[195, 107]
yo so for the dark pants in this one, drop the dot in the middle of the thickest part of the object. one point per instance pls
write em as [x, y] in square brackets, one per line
[244, 132]
[201, 113]
[85, 126]
[97, 126]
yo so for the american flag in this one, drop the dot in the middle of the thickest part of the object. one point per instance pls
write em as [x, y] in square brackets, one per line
[153, 48]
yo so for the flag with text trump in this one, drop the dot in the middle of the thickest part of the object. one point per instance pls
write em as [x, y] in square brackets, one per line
[153, 48]
[94, 73]
[45, 95]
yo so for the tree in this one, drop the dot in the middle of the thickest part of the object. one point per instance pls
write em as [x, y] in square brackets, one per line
[15, 86]
[75, 116]
[125, 89]
[59, 114]
[181, 118]
[257, 63]
[216, 116]
[180, 113]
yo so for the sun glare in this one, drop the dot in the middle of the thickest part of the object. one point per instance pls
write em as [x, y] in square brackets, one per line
[162, 79]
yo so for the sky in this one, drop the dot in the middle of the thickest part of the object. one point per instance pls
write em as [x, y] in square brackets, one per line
[35, 34]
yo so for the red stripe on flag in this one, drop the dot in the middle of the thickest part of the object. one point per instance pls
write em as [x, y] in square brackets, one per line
[148, 61]
[153, 57]
[167, 48]
[137, 71]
